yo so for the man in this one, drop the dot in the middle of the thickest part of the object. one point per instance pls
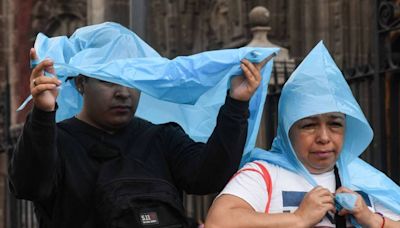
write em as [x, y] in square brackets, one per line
[65, 168]
[312, 176]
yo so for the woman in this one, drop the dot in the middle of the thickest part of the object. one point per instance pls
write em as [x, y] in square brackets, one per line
[312, 177]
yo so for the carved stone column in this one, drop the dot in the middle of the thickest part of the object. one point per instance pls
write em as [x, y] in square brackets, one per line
[259, 21]
[283, 64]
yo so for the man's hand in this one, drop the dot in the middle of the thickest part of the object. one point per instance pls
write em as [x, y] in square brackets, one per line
[43, 89]
[244, 86]
[315, 205]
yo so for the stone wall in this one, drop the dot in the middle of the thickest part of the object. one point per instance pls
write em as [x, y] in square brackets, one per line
[178, 27]
[4, 61]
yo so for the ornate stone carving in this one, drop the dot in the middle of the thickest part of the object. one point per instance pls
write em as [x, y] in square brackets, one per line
[227, 23]
[181, 27]
[58, 17]
[219, 21]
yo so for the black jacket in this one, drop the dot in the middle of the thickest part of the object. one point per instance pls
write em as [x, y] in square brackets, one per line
[53, 164]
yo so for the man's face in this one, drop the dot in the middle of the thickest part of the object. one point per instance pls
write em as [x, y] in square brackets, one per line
[318, 140]
[107, 106]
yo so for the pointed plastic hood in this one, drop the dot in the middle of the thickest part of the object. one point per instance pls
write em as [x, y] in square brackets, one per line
[317, 86]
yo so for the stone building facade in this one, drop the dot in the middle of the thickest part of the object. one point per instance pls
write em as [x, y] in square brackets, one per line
[183, 27]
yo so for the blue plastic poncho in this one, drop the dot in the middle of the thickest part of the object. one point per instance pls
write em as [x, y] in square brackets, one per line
[317, 86]
[188, 90]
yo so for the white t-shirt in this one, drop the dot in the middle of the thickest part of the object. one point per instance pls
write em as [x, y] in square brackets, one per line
[288, 190]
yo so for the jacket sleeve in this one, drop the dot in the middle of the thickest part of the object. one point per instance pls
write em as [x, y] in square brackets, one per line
[200, 168]
[33, 164]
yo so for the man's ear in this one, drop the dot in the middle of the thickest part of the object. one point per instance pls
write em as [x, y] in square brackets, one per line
[80, 83]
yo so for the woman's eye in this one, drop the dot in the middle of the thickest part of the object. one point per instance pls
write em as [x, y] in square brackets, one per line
[307, 126]
[336, 124]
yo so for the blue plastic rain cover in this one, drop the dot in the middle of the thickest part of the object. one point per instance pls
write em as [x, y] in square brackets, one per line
[317, 86]
[188, 90]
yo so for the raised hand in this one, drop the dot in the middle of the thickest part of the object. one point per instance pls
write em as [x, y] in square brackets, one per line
[43, 89]
[315, 205]
[244, 86]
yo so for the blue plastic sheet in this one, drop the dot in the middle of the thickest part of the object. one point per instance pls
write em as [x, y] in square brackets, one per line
[345, 201]
[317, 86]
[188, 90]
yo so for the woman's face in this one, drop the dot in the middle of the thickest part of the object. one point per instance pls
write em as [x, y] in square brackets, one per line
[318, 140]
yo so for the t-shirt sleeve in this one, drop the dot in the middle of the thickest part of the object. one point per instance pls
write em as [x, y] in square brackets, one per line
[385, 211]
[249, 186]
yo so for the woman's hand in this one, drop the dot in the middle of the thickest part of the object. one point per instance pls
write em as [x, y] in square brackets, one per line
[361, 212]
[315, 205]
[43, 89]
